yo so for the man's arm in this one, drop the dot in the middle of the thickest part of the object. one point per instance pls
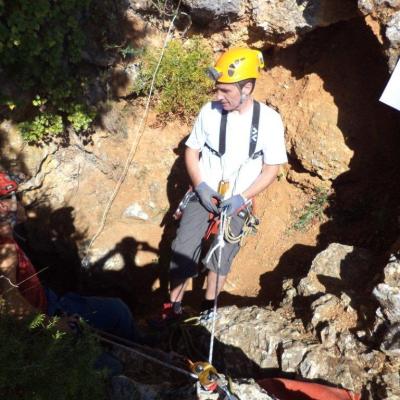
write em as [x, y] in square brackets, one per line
[192, 157]
[15, 302]
[267, 176]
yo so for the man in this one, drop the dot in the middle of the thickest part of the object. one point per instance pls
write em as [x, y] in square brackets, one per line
[233, 153]
[24, 295]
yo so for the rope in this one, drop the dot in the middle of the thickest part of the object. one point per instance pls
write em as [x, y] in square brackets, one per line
[130, 348]
[135, 143]
[19, 283]
[249, 228]
[220, 244]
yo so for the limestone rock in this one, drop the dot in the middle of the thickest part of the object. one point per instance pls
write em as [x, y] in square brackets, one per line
[249, 390]
[389, 299]
[391, 341]
[285, 20]
[206, 11]
[330, 316]
[313, 135]
[253, 338]
[140, 5]
[388, 292]
[338, 268]
[248, 339]
[124, 388]
[392, 272]
[387, 13]
[123, 79]
[17, 156]
[135, 211]
[321, 364]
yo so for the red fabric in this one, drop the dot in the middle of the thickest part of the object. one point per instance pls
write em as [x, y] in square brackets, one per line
[7, 185]
[28, 283]
[286, 389]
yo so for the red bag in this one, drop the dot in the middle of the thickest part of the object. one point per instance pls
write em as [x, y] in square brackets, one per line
[7, 185]
[286, 389]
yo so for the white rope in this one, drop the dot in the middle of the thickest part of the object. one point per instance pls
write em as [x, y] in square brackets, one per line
[8, 280]
[136, 142]
[150, 358]
[219, 245]
[19, 283]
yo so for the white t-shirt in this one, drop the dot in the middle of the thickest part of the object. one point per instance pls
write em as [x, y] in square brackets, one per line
[235, 165]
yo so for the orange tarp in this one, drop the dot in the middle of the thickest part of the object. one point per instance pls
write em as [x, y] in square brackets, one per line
[286, 389]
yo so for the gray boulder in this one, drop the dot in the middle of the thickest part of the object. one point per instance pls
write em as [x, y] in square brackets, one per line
[205, 11]
[283, 20]
[337, 269]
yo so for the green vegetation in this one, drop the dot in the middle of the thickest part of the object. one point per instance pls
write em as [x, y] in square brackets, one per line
[181, 85]
[40, 50]
[38, 362]
[315, 209]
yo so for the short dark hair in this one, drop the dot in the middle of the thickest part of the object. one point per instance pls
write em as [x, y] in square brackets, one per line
[245, 81]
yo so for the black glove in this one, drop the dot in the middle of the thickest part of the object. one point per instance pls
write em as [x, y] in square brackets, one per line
[232, 204]
[206, 196]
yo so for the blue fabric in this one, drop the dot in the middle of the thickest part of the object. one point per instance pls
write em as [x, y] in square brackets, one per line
[108, 314]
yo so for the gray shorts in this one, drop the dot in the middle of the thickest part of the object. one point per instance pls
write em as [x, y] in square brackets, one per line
[187, 246]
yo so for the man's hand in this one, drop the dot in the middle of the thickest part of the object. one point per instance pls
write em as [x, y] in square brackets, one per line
[206, 196]
[232, 204]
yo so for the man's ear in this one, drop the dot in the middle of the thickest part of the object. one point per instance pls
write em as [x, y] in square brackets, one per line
[247, 88]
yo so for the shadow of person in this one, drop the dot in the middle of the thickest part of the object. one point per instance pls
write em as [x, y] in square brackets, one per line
[293, 264]
[50, 240]
[178, 183]
[116, 273]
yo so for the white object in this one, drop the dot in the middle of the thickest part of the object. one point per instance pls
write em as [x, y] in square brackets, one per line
[391, 94]
[135, 211]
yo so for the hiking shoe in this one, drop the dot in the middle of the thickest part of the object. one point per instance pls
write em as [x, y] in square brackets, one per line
[167, 317]
[207, 316]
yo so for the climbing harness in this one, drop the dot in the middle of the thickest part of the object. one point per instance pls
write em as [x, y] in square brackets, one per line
[253, 134]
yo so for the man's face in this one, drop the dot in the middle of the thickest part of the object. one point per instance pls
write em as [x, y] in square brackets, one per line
[228, 94]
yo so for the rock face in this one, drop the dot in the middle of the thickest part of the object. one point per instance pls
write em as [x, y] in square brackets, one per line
[146, 380]
[388, 314]
[336, 269]
[250, 340]
[322, 151]
[284, 21]
[205, 11]
[387, 13]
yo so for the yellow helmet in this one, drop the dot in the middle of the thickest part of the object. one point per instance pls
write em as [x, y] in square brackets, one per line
[237, 64]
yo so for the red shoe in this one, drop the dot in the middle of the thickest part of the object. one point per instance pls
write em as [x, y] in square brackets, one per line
[167, 317]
